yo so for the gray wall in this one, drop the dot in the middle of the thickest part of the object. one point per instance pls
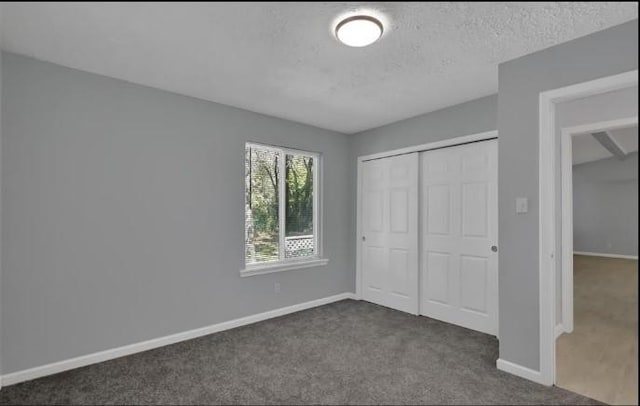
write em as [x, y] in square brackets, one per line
[622, 103]
[123, 214]
[472, 117]
[604, 53]
[605, 206]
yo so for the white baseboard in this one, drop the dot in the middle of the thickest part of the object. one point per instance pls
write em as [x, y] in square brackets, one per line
[84, 360]
[599, 254]
[520, 371]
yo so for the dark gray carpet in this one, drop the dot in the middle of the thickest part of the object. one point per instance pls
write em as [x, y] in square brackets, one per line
[348, 352]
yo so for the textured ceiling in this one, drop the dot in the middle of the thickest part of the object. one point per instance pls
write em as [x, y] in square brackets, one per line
[281, 59]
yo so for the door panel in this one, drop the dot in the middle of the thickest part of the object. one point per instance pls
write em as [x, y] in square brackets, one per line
[437, 209]
[459, 204]
[436, 278]
[473, 284]
[474, 209]
[375, 212]
[399, 210]
[390, 232]
[399, 268]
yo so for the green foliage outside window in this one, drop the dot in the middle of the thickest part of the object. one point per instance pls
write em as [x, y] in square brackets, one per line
[262, 223]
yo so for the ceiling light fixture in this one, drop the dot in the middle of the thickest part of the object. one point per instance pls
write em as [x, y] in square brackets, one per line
[359, 31]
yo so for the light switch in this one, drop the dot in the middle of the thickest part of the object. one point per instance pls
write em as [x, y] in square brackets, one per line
[522, 205]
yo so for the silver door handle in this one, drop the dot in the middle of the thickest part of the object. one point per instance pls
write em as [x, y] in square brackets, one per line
[494, 248]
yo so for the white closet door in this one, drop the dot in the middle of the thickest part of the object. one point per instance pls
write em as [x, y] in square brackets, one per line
[459, 209]
[390, 232]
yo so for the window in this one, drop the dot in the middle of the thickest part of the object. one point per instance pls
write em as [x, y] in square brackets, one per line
[281, 209]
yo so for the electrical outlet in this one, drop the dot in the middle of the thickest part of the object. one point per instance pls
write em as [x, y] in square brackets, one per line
[276, 287]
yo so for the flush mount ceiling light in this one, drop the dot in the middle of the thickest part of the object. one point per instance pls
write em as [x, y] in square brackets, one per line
[359, 31]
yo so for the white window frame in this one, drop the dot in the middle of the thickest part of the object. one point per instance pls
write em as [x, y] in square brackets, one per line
[287, 264]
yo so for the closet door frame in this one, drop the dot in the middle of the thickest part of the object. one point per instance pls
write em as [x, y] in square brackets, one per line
[451, 142]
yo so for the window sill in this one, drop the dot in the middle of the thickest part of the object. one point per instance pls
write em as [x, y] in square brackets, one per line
[283, 266]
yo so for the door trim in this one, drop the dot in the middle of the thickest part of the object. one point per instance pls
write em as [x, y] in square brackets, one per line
[547, 205]
[451, 142]
[566, 158]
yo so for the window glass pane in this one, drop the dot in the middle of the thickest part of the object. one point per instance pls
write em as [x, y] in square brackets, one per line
[261, 204]
[299, 235]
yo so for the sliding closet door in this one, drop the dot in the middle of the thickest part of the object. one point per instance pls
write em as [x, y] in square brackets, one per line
[459, 209]
[390, 232]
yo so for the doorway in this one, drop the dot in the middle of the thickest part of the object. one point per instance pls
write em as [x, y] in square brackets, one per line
[596, 351]
[552, 249]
